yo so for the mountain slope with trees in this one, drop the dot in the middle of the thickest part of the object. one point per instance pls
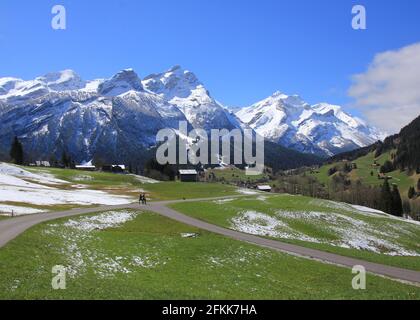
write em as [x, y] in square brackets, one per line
[384, 176]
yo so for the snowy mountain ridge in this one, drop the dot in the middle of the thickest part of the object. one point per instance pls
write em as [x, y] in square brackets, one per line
[117, 119]
[322, 129]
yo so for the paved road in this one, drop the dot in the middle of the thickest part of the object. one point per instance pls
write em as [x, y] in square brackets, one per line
[11, 228]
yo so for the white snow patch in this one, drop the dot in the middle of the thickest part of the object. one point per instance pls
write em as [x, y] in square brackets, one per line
[258, 223]
[78, 236]
[189, 235]
[247, 191]
[351, 232]
[15, 188]
[14, 171]
[145, 179]
[223, 201]
[17, 210]
[368, 210]
[83, 178]
[48, 196]
[101, 222]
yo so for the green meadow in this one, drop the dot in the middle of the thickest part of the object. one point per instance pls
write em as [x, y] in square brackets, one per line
[151, 257]
[329, 226]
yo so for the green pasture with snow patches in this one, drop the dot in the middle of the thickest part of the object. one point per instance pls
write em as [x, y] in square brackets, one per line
[140, 255]
[330, 226]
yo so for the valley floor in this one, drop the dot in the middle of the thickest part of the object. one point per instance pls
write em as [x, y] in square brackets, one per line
[131, 254]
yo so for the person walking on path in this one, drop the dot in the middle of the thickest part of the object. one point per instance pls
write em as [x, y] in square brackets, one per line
[143, 199]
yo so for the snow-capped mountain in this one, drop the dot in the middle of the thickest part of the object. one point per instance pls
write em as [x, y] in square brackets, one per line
[321, 129]
[182, 88]
[110, 120]
[117, 119]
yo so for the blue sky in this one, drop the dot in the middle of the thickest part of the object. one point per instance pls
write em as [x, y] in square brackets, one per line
[243, 50]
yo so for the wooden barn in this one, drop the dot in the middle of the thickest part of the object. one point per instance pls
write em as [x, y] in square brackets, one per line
[188, 175]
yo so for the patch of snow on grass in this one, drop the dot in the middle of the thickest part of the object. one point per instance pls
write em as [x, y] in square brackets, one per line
[352, 233]
[17, 210]
[6, 180]
[83, 178]
[15, 286]
[15, 171]
[378, 213]
[144, 262]
[348, 231]
[262, 224]
[14, 188]
[247, 191]
[82, 247]
[223, 201]
[101, 222]
[145, 179]
[40, 195]
[366, 209]
[189, 235]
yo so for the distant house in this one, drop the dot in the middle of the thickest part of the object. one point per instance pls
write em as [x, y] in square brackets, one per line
[114, 168]
[118, 168]
[42, 164]
[382, 176]
[188, 175]
[265, 188]
[85, 167]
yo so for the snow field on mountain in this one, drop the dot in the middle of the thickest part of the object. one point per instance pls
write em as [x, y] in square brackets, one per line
[321, 128]
[125, 107]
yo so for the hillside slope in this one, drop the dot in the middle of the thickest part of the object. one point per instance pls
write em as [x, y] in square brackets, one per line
[401, 151]
[396, 160]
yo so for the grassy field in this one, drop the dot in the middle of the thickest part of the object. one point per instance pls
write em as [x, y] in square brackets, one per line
[180, 190]
[146, 256]
[132, 185]
[234, 175]
[325, 225]
[121, 184]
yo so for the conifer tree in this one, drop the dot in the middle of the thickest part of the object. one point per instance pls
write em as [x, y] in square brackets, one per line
[16, 151]
[397, 207]
[386, 198]
[411, 193]
[65, 160]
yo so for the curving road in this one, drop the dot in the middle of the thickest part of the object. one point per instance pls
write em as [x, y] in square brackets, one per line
[11, 228]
